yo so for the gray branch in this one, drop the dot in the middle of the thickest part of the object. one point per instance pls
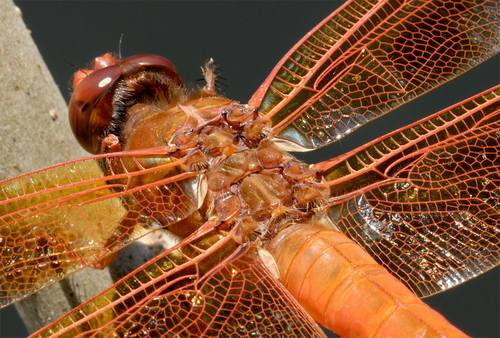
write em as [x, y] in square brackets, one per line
[34, 133]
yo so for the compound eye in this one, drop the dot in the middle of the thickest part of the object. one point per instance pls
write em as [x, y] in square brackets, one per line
[100, 62]
[105, 60]
[90, 107]
[131, 63]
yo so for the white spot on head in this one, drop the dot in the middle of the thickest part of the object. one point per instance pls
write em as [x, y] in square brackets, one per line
[104, 82]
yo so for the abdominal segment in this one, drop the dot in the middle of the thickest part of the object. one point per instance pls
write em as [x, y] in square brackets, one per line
[344, 289]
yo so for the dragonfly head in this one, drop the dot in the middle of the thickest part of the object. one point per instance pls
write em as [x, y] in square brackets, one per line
[102, 94]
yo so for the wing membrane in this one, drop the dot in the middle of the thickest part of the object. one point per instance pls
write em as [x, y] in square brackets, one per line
[192, 290]
[424, 201]
[368, 58]
[62, 218]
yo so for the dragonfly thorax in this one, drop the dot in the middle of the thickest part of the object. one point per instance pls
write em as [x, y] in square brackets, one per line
[251, 183]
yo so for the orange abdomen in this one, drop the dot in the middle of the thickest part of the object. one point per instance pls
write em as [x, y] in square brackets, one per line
[344, 289]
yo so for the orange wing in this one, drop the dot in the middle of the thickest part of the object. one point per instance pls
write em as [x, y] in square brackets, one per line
[369, 57]
[423, 201]
[59, 219]
[207, 285]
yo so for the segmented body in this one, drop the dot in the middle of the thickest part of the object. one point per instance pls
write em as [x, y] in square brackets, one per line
[251, 184]
[264, 195]
[421, 201]
[343, 288]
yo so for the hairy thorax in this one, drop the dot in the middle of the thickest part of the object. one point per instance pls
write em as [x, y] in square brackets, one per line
[251, 186]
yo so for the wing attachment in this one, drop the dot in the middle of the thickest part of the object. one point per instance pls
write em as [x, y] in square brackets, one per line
[424, 200]
[205, 287]
[59, 219]
[370, 57]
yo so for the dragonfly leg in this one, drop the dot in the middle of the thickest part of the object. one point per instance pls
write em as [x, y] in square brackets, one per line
[110, 144]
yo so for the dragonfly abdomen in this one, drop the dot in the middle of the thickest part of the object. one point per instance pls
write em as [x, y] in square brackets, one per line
[344, 289]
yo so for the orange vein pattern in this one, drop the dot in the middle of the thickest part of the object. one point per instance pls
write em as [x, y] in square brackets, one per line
[57, 220]
[186, 292]
[421, 201]
[368, 58]
[424, 200]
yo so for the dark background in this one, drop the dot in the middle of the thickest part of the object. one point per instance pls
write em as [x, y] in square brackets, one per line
[246, 39]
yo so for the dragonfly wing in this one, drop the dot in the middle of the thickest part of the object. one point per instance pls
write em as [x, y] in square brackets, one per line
[424, 200]
[225, 290]
[59, 219]
[369, 57]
